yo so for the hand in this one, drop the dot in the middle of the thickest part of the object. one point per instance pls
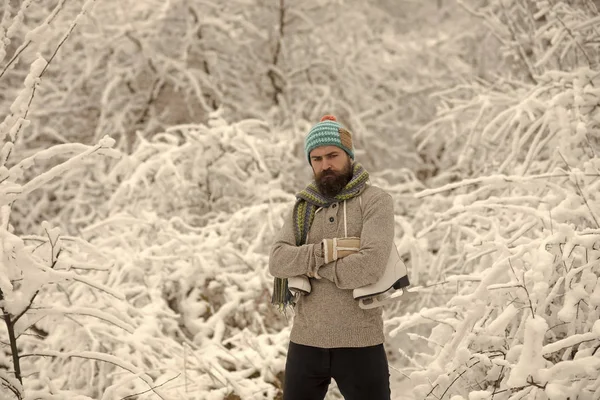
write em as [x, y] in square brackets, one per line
[336, 248]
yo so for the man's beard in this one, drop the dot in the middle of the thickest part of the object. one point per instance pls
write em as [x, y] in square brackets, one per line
[330, 183]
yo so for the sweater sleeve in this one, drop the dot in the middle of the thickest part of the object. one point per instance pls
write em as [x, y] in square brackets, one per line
[287, 260]
[368, 265]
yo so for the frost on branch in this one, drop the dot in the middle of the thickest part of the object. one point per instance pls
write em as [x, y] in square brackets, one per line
[13, 122]
[198, 318]
[512, 222]
[216, 168]
[43, 277]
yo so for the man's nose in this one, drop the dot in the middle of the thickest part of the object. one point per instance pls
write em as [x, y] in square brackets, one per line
[326, 165]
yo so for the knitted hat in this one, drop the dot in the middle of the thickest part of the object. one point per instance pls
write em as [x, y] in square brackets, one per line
[328, 132]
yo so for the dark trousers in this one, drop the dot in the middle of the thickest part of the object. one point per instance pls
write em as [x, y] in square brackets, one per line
[361, 373]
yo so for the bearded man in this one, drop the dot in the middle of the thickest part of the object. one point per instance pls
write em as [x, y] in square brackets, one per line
[337, 237]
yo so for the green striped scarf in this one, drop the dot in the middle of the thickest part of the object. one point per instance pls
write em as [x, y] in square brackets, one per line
[307, 203]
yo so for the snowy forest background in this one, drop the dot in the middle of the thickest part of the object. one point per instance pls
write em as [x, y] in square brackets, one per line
[150, 150]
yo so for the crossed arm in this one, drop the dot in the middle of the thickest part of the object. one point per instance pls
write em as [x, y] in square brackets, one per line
[355, 270]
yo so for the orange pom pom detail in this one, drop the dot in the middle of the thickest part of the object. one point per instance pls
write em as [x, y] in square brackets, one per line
[328, 118]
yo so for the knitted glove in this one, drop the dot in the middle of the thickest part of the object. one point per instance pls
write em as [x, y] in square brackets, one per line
[337, 248]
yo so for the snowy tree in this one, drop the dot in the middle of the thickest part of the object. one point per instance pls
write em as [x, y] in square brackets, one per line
[38, 272]
[518, 240]
[160, 287]
[192, 263]
[145, 66]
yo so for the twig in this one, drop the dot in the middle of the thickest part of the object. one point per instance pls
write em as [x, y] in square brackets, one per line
[14, 58]
[63, 40]
[522, 285]
[576, 41]
[528, 297]
[579, 190]
[452, 383]
[185, 366]
[397, 370]
[522, 53]
[272, 74]
[11, 387]
[10, 327]
[90, 355]
[571, 345]
[498, 381]
[27, 308]
[487, 180]
[153, 387]
[431, 392]
[533, 383]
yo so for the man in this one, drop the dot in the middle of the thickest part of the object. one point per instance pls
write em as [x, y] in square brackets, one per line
[332, 337]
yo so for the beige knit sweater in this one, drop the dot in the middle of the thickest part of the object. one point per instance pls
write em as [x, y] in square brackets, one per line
[329, 316]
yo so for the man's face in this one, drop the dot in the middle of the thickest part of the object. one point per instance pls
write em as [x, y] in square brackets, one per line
[332, 168]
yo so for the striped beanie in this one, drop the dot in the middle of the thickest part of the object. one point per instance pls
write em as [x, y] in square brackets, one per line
[328, 132]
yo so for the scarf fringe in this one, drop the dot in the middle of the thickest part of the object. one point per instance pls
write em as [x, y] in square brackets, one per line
[282, 297]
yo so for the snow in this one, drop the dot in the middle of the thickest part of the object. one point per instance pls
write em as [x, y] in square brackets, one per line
[573, 340]
[530, 360]
[498, 325]
[18, 19]
[480, 395]
[148, 162]
[58, 150]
